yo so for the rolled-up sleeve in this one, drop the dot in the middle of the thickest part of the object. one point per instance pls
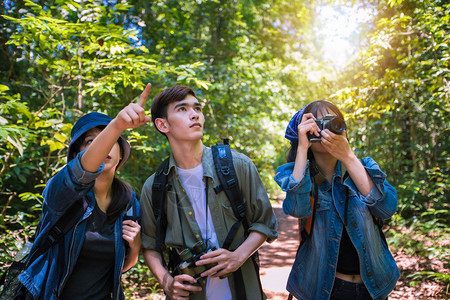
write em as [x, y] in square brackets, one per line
[296, 202]
[259, 209]
[80, 176]
[382, 199]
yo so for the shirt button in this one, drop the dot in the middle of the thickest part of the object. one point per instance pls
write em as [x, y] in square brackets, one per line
[369, 274]
[354, 224]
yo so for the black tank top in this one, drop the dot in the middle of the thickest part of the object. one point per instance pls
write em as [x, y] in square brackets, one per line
[93, 273]
[348, 261]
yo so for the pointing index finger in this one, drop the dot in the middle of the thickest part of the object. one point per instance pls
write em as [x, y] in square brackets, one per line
[144, 95]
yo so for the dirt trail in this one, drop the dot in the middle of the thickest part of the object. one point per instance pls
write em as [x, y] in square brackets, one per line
[277, 258]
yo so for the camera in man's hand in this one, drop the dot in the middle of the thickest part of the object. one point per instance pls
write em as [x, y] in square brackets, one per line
[333, 123]
[190, 256]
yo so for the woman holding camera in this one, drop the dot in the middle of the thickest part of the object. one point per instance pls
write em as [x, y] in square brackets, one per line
[339, 200]
[88, 261]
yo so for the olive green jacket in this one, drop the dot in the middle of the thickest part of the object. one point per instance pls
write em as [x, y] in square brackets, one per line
[258, 213]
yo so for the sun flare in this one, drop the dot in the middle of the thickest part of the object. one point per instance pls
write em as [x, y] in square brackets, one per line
[339, 29]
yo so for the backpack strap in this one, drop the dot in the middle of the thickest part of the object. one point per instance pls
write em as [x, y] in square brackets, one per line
[307, 229]
[316, 178]
[159, 189]
[57, 232]
[229, 183]
[131, 213]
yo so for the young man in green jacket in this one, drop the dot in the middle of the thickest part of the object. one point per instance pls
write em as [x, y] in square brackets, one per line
[194, 211]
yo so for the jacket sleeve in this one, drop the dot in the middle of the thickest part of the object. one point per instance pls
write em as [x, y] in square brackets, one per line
[382, 200]
[296, 202]
[259, 210]
[70, 184]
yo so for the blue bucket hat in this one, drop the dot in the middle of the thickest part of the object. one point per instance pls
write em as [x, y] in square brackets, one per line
[89, 121]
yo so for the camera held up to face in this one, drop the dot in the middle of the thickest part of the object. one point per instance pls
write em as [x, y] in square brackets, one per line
[333, 123]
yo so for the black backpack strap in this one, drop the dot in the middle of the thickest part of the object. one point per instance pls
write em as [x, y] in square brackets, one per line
[231, 234]
[159, 189]
[57, 232]
[229, 183]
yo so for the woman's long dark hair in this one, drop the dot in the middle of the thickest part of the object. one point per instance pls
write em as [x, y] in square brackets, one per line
[314, 107]
[121, 190]
[121, 196]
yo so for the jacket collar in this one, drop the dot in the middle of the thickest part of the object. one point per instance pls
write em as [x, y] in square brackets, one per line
[207, 161]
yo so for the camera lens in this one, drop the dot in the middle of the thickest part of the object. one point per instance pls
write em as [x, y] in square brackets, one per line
[199, 247]
[336, 125]
[185, 254]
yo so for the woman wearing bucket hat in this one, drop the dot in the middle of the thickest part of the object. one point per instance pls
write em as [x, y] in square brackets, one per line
[339, 200]
[105, 241]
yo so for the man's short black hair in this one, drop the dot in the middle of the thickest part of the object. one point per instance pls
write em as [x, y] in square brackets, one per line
[173, 94]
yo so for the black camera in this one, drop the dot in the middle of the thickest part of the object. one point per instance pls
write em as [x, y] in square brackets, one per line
[334, 124]
[190, 256]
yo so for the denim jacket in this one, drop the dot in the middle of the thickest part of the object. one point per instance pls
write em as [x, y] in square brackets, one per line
[312, 275]
[45, 277]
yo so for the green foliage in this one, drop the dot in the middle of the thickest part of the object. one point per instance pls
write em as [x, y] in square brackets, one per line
[426, 240]
[61, 59]
[419, 276]
[140, 281]
[252, 65]
[400, 103]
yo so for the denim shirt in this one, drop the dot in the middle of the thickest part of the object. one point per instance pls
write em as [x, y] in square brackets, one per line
[45, 277]
[312, 275]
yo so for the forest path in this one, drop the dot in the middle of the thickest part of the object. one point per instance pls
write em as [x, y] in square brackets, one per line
[278, 257]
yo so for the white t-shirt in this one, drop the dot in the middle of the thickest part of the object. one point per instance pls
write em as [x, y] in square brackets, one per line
[194, 185]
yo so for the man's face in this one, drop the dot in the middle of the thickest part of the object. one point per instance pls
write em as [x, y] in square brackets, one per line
[185, 119]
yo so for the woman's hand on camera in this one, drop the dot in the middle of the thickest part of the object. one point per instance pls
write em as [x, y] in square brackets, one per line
[307, 125]
[181, 287]
[336, 144]
[133, 115]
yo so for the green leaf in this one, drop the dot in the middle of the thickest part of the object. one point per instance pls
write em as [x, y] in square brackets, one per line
[16, 143]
